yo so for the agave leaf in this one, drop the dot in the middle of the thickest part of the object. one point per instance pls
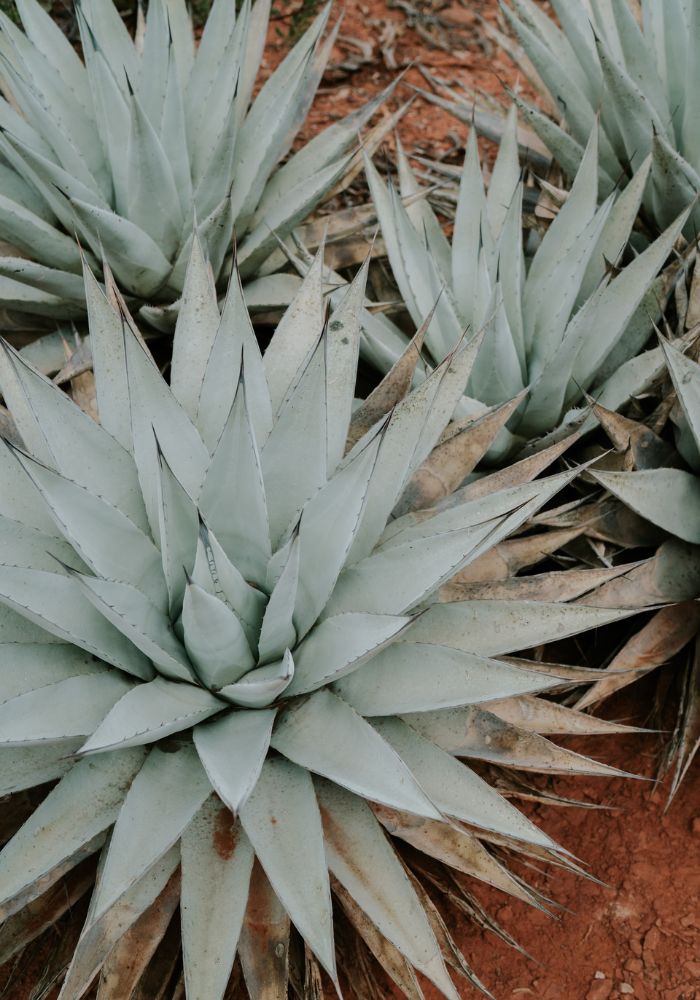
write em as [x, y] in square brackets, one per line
[53, 45]
[233, 497]
[50, 423]
[494, 628]
[397, 681]
[261, 687]
[327, 529]
[669, 498]
[163, 798]
[53, 602]
[296, 335]
[452, 846]
[256, 35]
[277, 631]
[426, 283]
[301, 423]
[106, 539]
[223, 115]
[325, 148]
[20, 930]
[396, 580]
[505, 176]
[60, 283]
[686, 381]
[98, 939]
[23, 546]
[667, 632]
[61, 710]
[264, 942]
[179, 532]
[25, 230]
[282, 219]
[395, 965]
[635, 116]
[84, 803]
[195, 331]
[339, 645]
[214, 639]
[672, 574]
[55, 184]
[400, 435]
[343, 348]
[153, 198]
[20, 501]
[156, 45]
[550, 718]
[318, 732]
[243, 737]
[112, 115]
[217, 861]
[234, 338]
[53, 112]
[473, 732]
[155, 409]
[455, 789]
[282, 820]
[109, 32]
[131, 957]
[107, 348]
[451, 461]
[421, 214]
[275, 112]
[28, 666]
[150, 712]
[390, 391]
[137, 618]
[27, 767]
[134, 256]
[216, 574]
[173, 131]
[215, 38]
[579, 113]
[471, 204]
[362, 860]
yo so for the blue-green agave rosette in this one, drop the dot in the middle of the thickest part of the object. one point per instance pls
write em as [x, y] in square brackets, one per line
[222, 634]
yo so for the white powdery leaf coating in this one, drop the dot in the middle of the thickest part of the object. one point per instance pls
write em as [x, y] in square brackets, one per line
[215, 638]
[128, 143]
[535, 320]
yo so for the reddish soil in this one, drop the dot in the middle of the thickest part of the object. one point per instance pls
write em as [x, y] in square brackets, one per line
[637, 936]
[444, 37]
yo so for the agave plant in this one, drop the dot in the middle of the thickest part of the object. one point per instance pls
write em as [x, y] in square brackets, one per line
[564, 322]
[640, 75]
[224, 647]
[669, 497]
[146, 137]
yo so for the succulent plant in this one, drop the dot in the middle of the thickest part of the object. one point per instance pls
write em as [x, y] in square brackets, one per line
[148, 137]
[638, 75]
[224, 647]
[566, 321]
[668, 496]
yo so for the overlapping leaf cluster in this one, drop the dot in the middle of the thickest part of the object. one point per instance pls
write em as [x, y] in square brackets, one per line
[639, 75]
[554, 326]
[206, 593]
[147, 137]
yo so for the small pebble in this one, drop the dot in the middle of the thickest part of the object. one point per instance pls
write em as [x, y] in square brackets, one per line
[599, 975]
[626, 988]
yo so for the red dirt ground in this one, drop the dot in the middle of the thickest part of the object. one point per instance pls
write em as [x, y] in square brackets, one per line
[640, 936]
